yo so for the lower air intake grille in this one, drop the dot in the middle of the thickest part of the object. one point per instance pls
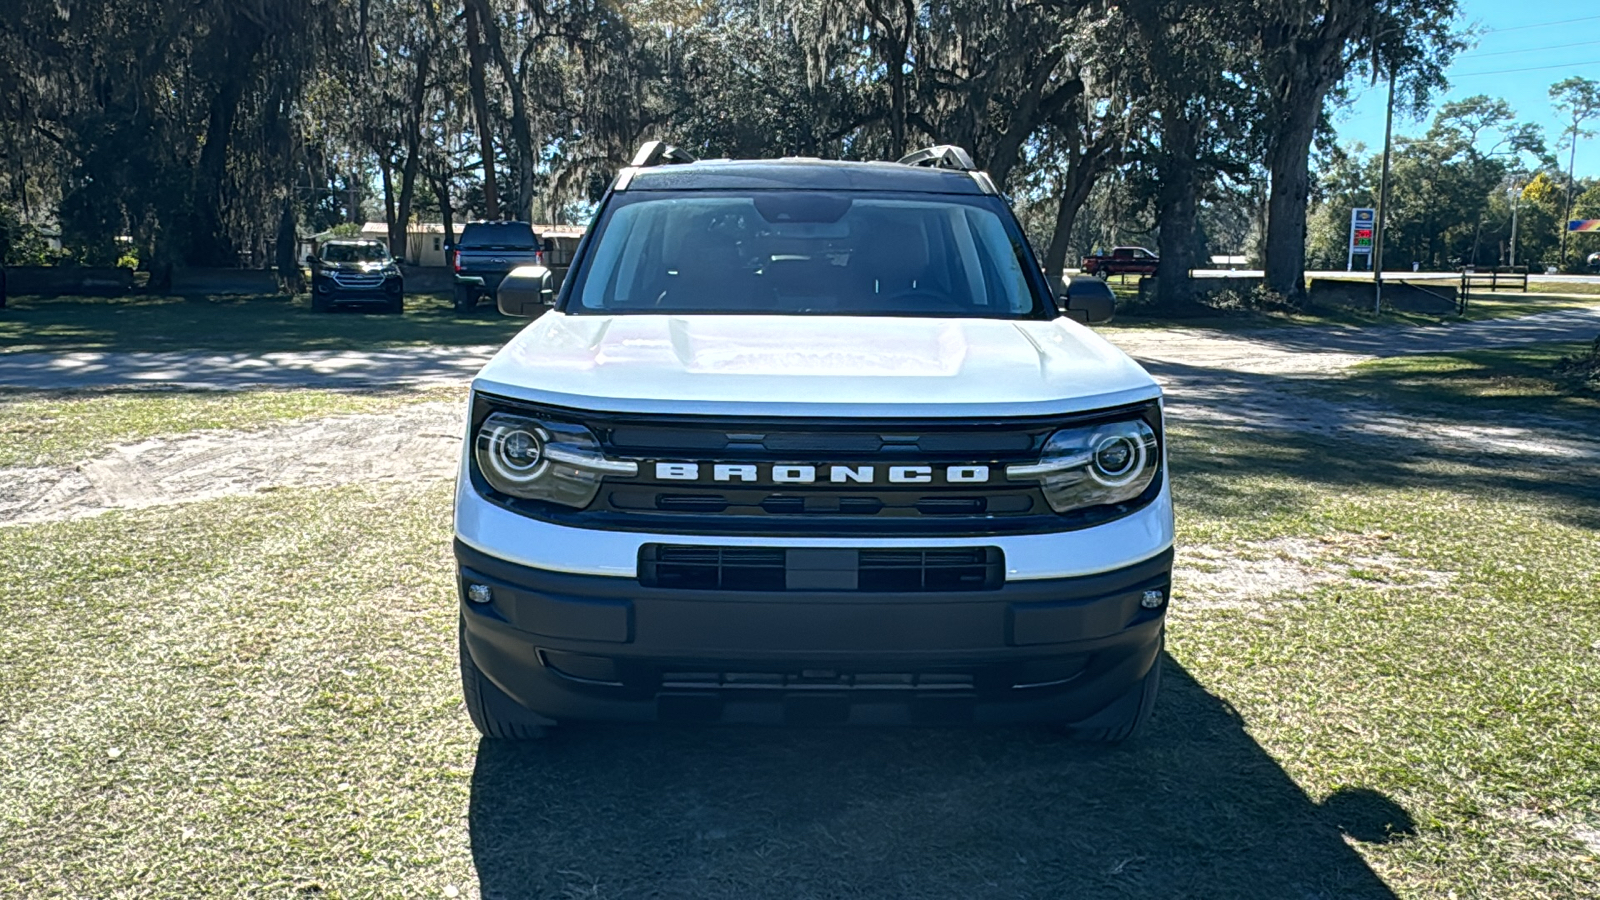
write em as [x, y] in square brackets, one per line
[942, 569]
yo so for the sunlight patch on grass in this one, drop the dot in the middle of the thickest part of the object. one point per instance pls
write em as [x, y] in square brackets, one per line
[1522, 378]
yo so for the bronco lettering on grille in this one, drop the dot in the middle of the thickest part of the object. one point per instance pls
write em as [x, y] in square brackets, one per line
[784, 473]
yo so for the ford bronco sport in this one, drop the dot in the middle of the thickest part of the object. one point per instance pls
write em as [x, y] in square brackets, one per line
[806, 441]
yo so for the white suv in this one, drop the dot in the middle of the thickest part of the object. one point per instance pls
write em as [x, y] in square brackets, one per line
[807, 441]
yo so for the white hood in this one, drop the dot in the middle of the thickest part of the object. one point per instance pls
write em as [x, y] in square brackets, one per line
[814, 365]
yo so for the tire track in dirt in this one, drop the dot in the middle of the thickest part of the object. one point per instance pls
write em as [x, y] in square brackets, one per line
[418, 443]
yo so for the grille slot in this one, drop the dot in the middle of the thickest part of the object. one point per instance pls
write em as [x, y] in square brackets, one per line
[952, 506]
[711, 568]
[699, 503]
[821, 505]
[937, 570]
[953, 569]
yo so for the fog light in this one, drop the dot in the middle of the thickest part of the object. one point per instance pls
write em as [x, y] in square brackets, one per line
[480, 593]
[1151, 599]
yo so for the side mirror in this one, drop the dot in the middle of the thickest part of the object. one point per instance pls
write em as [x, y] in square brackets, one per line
[527, 292]
[1086, 300]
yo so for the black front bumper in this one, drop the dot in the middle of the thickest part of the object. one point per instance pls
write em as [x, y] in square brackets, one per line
[594, 647]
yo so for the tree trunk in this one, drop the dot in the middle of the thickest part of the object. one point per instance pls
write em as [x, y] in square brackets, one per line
[386, 169]
[1074, 193]
[1289, 162]
[1084, 167]
[479, 90]
[1177, 211]
[521, 129]
[288, 262]
[208, 238]
[1037, 106]
[408, 172]
[441, 193]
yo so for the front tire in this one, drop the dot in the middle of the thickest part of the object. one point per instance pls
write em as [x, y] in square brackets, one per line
[494, 714]
[396, 305]
[321, 302]
[466, 299]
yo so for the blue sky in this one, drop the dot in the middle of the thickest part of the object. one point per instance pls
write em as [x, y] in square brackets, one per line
[1510, 60]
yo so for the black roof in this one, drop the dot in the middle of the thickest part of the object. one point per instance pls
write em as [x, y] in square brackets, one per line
[810, 174]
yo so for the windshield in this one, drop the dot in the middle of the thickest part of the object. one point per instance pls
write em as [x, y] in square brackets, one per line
[805, 252]
[499, 236]
[355, 253]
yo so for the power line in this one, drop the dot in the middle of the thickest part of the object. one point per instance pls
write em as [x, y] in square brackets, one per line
[1592, 62]
[1540, 25]
[1476, 55]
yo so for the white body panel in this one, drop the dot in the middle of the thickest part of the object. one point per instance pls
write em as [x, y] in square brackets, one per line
[806, 366]
[815, 366]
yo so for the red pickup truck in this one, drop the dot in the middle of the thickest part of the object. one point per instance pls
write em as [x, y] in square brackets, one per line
[1121, 261]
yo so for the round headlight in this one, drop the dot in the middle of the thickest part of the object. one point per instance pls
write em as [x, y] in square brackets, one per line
[515, 453]
[521, 450]
[1118, 459]
[1094, 465]
[544, 459]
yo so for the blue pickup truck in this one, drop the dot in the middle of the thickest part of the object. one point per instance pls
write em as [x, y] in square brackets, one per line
[486, 253]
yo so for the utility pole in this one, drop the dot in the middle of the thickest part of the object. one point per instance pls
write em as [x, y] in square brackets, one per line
[1516, 200]
[1383, 202]
[1572, 166]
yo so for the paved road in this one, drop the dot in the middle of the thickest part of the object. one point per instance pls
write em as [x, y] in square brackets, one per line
[1389, 276]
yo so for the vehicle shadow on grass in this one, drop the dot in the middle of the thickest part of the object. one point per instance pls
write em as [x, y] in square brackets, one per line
[1194, 808]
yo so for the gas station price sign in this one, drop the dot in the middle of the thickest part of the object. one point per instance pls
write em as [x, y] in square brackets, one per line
[1361, 222]
[1361, 230]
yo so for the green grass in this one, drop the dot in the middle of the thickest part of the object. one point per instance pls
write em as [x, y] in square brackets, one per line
[1505, 305]
[1515, 379]
[258, 697]
[1482, 305]
[62, 428]
[1563, 287]
[255, 324]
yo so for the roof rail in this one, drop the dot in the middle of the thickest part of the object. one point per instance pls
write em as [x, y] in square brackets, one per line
[944, 156]
[660, 153]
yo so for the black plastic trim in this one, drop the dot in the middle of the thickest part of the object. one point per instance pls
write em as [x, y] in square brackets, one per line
[809, 524]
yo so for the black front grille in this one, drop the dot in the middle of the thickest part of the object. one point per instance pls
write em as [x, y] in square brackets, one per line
[942, 569]
[848, 490]
[358, 281]
[885, 502]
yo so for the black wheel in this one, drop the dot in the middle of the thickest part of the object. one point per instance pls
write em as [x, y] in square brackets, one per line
[1126, 717]
[493, 713]
[466, 299]
[321, 302]
[396, 305]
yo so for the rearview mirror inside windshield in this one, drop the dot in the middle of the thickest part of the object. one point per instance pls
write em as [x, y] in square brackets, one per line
[801, 207]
